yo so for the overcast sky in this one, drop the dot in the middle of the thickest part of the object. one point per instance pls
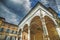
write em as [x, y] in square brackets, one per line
[14, 10]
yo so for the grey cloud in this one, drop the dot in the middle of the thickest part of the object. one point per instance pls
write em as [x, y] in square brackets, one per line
[14, 11]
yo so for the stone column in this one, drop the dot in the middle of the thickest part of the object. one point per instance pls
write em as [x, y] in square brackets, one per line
[28, 32]
[45, 34]
[57, 28]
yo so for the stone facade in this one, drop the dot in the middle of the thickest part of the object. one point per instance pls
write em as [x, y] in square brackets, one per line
[42, 24]
[7, 29]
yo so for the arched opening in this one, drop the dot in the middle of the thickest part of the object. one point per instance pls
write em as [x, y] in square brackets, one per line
[53, 35]
[8, 38]
[12, 38]
[25, 32]
[36, 29]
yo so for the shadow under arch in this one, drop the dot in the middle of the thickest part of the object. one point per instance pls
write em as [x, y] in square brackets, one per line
[51, 27]
[20, 30]
[25, 32]
[36, 29]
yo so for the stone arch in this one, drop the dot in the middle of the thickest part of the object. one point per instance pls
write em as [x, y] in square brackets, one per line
[25, 32]
[51, 27]
[52, 18]
[36, 29]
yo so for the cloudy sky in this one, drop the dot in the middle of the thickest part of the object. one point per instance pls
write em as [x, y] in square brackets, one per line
[14, 10]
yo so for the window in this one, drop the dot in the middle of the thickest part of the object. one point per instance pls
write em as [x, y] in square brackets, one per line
[12, 31]
[1, 29]
[20, 33]
[15, 32]
[0, 22]
[8, 38]
[7, 31]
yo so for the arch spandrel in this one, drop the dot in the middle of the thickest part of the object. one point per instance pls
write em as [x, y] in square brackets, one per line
[48, 19]
[36, 23]
[36, 31]
[36, 20]
[52, 32]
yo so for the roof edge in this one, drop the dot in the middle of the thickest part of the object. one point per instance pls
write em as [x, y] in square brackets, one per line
[38, 3]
